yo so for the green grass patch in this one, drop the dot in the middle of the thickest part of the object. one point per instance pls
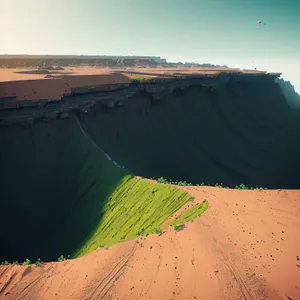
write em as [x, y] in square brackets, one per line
[188, 215]
[140, 78]
[136, 207]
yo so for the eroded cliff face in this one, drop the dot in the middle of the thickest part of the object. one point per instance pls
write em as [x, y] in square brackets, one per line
[291, 96]
[241, 132]
[54, 183]
[53, 174]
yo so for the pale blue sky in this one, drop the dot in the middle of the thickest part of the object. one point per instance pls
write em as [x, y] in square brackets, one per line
[212, 31]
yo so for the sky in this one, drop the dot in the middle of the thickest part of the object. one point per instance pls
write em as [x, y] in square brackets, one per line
[203, 31]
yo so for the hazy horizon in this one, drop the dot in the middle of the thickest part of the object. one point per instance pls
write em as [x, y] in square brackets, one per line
[222, 32]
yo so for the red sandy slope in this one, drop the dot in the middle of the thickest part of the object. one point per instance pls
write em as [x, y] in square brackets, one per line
[243, 247]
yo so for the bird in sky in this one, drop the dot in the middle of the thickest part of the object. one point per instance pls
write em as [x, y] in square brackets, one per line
[259, 23]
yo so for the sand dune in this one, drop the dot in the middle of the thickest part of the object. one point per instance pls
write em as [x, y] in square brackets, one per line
[243, 247]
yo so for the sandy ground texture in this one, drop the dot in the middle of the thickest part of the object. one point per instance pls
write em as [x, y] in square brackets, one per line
[243, 247]
[7, 74]
[55, 84]
[33, 87]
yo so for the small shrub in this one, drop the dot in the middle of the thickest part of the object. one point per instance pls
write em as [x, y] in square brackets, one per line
[219, 185]
[61, 258]
[38, 262]
[241, 187]
[138, 77]
[161, 180]
[174, 182]
[176, 227]
[15, 262]
[5, 263]
[157, 231]
[26, 262]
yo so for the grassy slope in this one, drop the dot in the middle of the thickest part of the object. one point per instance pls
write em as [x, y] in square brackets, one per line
[188, 215]
[59, 194]
[136, 207]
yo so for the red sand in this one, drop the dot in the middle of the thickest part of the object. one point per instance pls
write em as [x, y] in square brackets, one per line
[13, 74]
[42, 87]
[32, 88]
[243, 247]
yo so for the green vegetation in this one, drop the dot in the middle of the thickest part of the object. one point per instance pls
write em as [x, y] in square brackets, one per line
[133, 209]
[61, 258]
[29, 262]
[241, 186]
[176, 227]
[157, 231]
[163, 180]
[6, 263]
[140, 78]
[219, 185]
[188, 215]
[26, 262]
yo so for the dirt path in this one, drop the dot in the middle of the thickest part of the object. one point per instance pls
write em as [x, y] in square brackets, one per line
[243, 247]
